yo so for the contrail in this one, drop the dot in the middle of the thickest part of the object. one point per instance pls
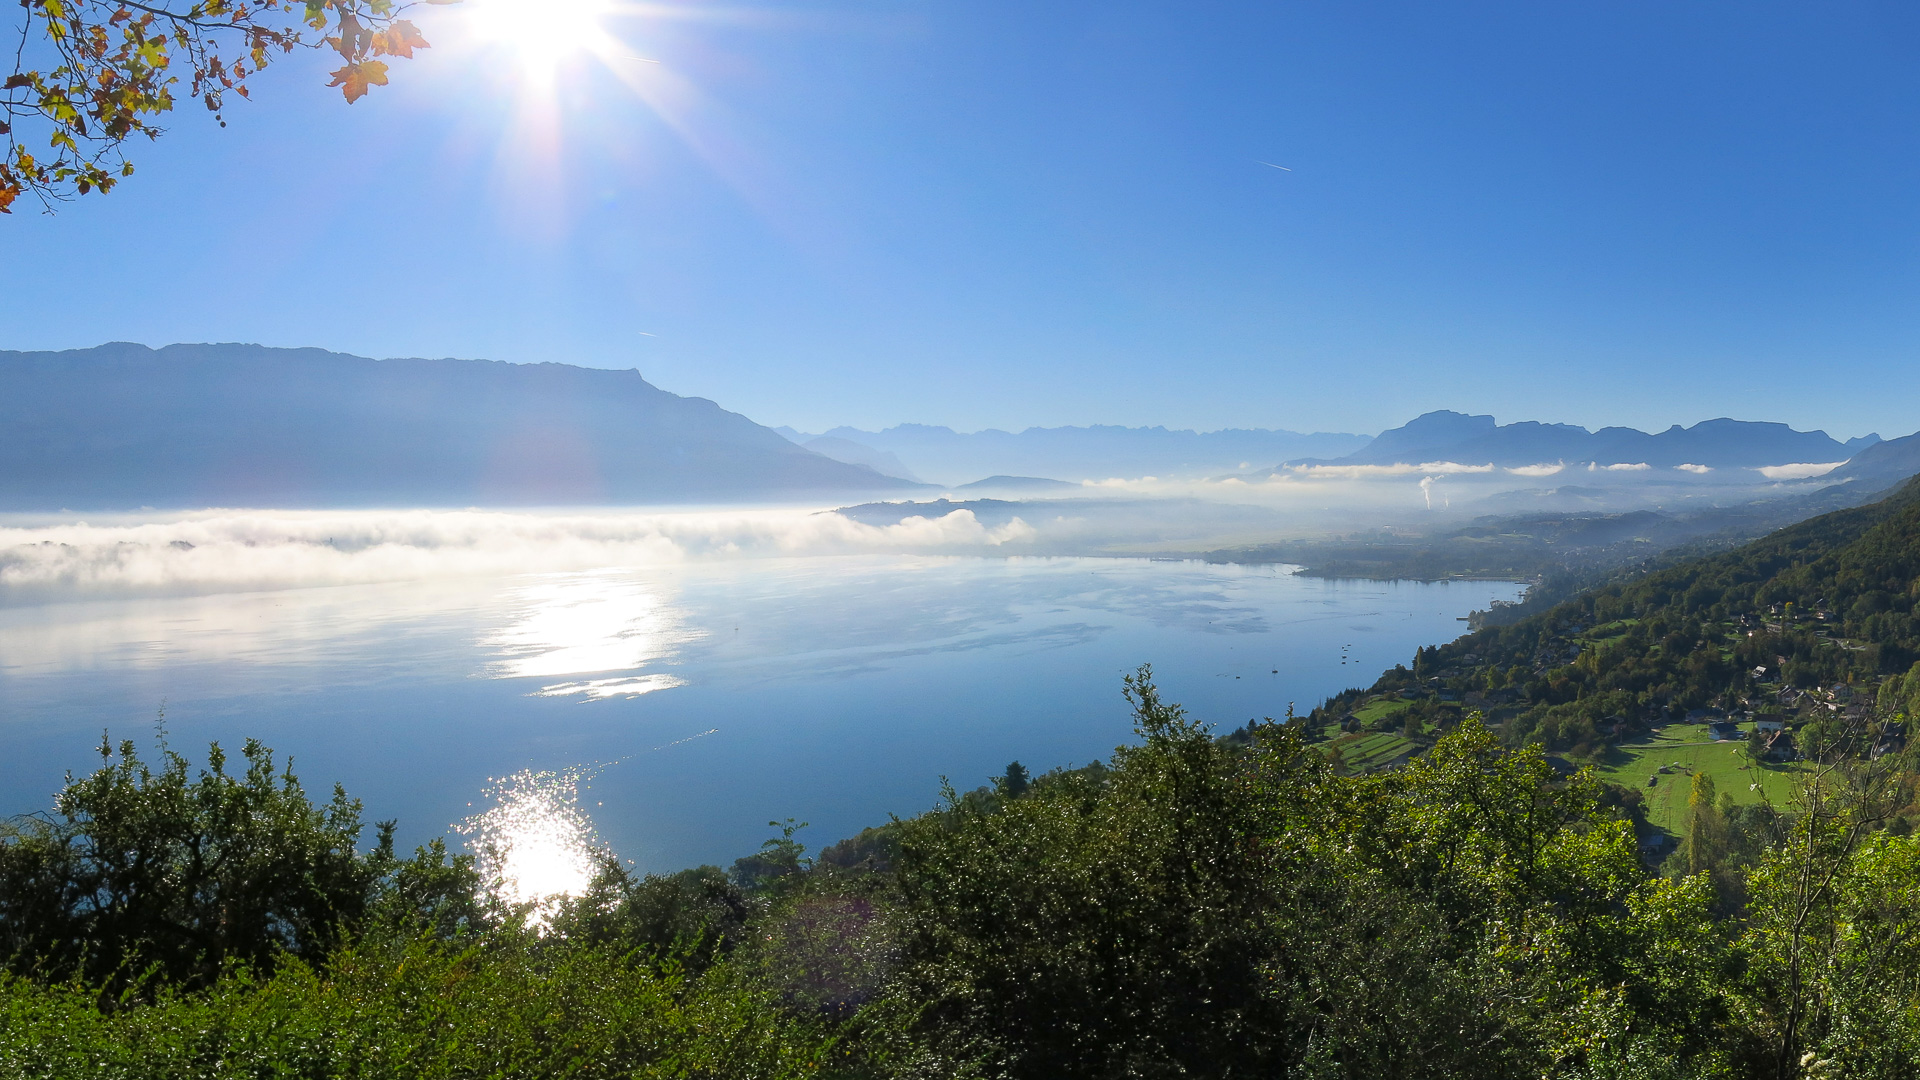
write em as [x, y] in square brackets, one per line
[1271, 165]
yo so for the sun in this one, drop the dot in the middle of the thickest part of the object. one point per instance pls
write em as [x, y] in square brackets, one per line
[543, 35]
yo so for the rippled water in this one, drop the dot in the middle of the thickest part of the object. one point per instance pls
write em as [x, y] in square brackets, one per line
[711, 697]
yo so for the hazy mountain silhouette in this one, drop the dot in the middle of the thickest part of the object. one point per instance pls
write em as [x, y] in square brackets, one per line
[126, 426]
[1030, 485]
[854, 453]
[1881, 465]
[1478, 440]
[1087, 453]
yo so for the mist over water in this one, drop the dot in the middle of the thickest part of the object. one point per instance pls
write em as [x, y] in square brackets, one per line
[57, 558]
[238, 550]
[725, 680]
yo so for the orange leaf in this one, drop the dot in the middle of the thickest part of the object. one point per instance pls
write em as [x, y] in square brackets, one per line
[354, 79]
[400, 39]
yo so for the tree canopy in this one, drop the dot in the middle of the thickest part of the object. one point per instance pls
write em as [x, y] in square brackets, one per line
[90, 76]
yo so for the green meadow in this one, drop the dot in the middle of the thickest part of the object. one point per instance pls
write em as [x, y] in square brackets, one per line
[1685, 749]
[1380, 708]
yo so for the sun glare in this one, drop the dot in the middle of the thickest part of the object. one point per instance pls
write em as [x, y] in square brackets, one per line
[543, 34]
[535, 845]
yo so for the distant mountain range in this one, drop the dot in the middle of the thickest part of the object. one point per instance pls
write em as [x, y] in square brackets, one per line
[917, 451]
[125, 426]
[1069, 453]
[1712, 444]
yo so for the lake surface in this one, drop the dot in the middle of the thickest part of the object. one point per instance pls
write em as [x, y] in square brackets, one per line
[716, 696]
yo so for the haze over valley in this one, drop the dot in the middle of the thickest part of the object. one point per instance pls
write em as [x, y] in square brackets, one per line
[111, 458]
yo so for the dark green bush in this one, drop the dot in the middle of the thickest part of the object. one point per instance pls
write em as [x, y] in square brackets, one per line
[139, 869]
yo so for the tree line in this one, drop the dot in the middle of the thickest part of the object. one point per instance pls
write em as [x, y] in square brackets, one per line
[1193, 906]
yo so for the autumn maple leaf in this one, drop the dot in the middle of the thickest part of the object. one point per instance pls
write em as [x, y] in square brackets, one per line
[399, 39]
[354, 79]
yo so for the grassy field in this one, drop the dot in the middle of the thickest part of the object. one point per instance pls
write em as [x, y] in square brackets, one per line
[1686, 749]
[1374, 710]
[1611, 632]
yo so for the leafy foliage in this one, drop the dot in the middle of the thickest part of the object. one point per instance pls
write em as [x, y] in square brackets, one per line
[90, 75]
[1195, 906]
[180, 876]
[1066, 932]
[519, 1007]
[1213, 912]
[698, 915]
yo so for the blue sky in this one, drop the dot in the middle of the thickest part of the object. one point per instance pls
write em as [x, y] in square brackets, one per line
[989, 213]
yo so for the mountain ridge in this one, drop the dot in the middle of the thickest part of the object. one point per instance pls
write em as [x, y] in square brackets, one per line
[1882, 463]
[1444, 435]
[125, 426]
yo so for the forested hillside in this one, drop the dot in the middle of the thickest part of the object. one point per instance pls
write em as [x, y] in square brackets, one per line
[1798, 624]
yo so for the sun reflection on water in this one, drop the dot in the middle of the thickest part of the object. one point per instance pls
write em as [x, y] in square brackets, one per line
[598, 689]
[579, 624]
[535, 845]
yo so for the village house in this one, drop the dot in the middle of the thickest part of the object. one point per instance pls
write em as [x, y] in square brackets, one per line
[1779, 747]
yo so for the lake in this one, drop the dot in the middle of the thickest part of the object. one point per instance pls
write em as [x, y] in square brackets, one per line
[713, 696]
